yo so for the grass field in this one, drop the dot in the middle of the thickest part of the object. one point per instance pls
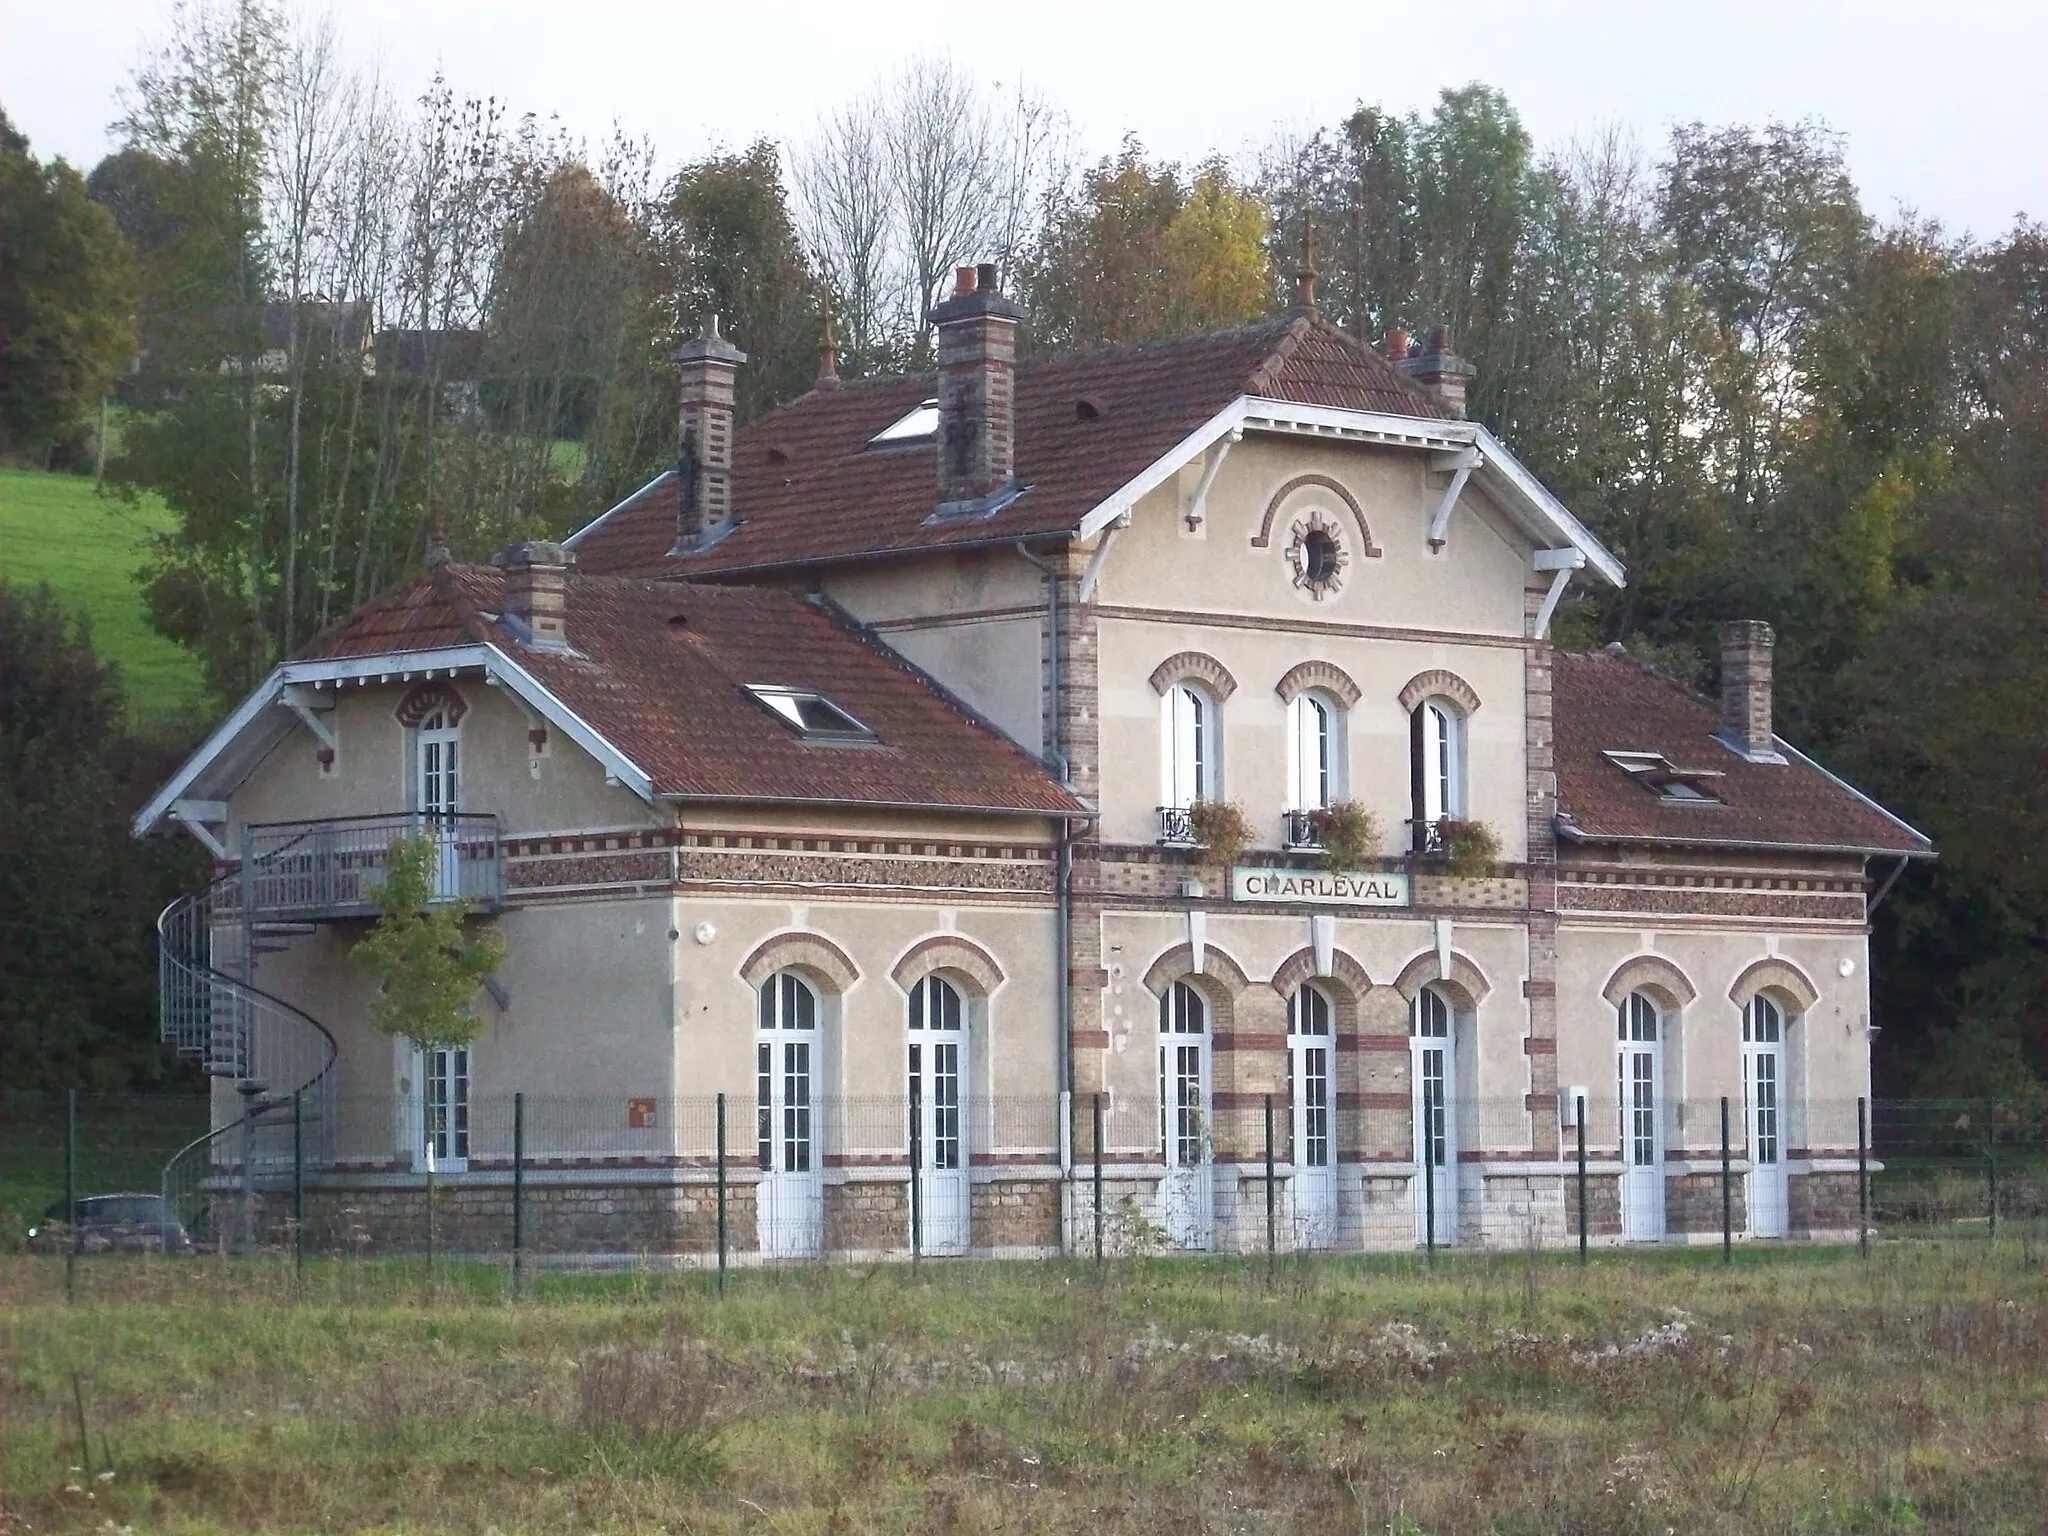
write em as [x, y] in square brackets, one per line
[57, 528]
[1802, 1390]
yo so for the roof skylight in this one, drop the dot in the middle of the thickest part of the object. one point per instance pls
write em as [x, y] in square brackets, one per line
[922, 422]
[1668, 782]
[810, 714]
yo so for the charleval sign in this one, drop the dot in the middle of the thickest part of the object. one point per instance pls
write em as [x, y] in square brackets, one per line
[1336, 888]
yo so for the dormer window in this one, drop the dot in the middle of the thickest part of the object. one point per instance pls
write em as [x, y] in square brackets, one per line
[810, 714]
[914, 427]
[1668, 782]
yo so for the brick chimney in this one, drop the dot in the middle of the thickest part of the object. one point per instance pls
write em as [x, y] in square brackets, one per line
[1441, 372]
[977, 330]
[536, 604]
[708, 364]
[1746, 689]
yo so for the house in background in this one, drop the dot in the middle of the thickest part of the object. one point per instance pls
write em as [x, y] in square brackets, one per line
[854, 770]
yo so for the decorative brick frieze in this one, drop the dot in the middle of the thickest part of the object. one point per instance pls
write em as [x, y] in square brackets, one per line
[1703, 903]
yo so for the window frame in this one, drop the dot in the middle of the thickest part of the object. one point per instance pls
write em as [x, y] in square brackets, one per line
[1437, 775]
[1302, 709]
[1203, 777]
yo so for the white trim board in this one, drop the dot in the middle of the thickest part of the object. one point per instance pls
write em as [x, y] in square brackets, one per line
[247, 736]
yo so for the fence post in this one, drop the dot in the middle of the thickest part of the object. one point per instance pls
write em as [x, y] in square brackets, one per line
[721, 1194]
[299, 1186]
[518, 1192]
[1727, 1192]
[1991, 1161]
[70, 1192]
[430, 1211]
[1095, 1150]
[1429, 1178]
[916, 1183]
[1863, 1176]
[1272, 1244]
[1585, 1214]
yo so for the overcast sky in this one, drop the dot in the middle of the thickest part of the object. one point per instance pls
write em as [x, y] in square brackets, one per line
[1943, 103]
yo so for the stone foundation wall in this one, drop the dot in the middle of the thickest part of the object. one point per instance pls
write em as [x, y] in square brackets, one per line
[867, 1218]
[1016, 1213]
[1603, 1195]
[1692, 1204]
[1823, 1204]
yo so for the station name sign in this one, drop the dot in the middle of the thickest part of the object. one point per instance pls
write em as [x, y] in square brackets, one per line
[1326, 887]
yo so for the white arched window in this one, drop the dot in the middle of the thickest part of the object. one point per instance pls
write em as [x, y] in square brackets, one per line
[1640, 1032]
[1315, 752]
[1436, 764]
[789, 1200]
[1188, 747]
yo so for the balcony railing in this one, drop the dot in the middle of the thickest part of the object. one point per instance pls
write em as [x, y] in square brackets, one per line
[1304, 829]
[1176, 826]
[1426, 838]
[312, 870]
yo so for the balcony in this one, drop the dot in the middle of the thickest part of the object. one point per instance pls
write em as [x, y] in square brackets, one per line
[1304, 829]
[1176, 827]
[311, 871]
[1426, 838]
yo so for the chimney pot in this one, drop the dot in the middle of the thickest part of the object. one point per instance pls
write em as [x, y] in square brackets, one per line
[985, 276]
[963, 281]
[1397, 345]
[1746, 646]
[536, 602]
[1441, 373]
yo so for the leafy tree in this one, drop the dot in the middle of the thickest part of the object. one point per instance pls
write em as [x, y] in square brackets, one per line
[78, 896]
[734, 251]
[1140, 252]
[67, 300]
[428, 967]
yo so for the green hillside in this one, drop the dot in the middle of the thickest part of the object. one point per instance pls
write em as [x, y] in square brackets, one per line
[58, 528]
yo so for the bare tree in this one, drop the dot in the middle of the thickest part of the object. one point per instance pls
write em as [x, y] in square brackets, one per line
[845, 207]
[941, 144]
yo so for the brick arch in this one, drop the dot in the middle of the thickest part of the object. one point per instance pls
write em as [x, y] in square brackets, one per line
[1439, 684]
[422, 699]
[1203, 668]
[1652, 974]
[1220, 981]
[812, 954]
[1348, 979]
[949, 952]
[1779, 976]
[1326, 675]
[1467, 984]
[1264, 537]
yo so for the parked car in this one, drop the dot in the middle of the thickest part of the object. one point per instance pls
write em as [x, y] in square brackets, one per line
[112, 1224]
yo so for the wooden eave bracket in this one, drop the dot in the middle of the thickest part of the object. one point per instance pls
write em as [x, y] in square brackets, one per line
[309, 704]
[1561, 563]
[1212, 461]
[200, 818]
[1460, 464]
[1093, 573]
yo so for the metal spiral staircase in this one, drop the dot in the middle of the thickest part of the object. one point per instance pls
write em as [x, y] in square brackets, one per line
[291, 877]
[279, 1059]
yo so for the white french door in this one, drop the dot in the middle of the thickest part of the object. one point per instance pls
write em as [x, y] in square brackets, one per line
[1312, 1096]
[1640, 1095]
[937, 1081]
[789, 1201]
[1185, 1196]
[1763, 1095]
[438, 785]
[443, 1076]
[1433, 1076]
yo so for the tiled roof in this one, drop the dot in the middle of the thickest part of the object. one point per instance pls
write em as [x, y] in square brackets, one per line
[807, 488]
[1609, 702]
[659, 669]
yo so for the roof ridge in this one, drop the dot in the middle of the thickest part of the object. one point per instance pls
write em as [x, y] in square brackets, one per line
[1615, 651]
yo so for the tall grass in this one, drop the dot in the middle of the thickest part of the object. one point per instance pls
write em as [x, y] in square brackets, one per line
[1801, 1390]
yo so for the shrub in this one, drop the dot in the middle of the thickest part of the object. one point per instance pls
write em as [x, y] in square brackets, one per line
[1349, 833]
[1470, 849]
[1220, 827]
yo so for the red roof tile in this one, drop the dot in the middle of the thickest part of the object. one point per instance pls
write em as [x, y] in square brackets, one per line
[660, 669]
[1609, 702]
[807, 488]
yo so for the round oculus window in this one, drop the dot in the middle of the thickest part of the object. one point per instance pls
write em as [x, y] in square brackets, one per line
[1318, 556]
